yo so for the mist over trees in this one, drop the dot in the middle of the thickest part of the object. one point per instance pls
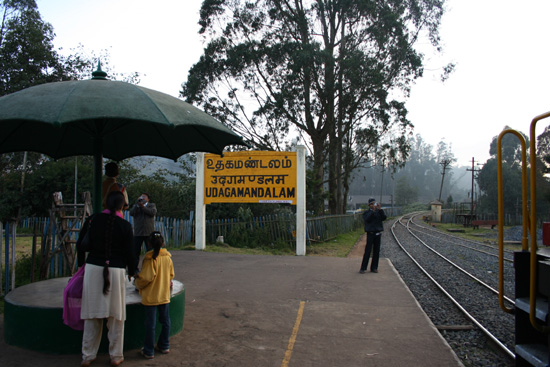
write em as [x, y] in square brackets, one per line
[419, 180]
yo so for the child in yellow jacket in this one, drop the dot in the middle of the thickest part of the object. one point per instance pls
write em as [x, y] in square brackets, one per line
[154, 283]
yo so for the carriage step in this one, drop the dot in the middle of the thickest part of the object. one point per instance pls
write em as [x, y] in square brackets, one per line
[535, 354]
[542, 307]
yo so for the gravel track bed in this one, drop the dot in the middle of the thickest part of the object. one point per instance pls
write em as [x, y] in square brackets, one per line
[480, 246]
[471, 346]
[480, 264]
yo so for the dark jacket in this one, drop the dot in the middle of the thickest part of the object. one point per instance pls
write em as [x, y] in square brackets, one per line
[121, 254]
[144, 219]
[373, 220]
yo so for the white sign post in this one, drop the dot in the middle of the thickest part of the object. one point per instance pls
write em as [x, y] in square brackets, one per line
[301, 224]
[200, 208]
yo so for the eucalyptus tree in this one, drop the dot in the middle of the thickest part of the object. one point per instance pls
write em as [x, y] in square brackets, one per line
[326, 72]
[27, 54]
[543, 149]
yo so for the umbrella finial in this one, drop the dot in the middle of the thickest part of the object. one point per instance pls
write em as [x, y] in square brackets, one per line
[99, 74]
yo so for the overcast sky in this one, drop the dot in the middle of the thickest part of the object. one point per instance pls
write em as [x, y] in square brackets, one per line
[501, 49]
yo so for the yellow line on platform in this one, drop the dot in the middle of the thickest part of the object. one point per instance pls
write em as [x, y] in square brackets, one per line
[292, 339]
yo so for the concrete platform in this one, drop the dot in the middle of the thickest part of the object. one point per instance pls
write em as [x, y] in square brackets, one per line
[33, 318]
[245, 310]
[349, 319]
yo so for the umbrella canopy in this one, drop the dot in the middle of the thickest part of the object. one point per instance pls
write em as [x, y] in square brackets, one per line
[67, 118]
[109, 119]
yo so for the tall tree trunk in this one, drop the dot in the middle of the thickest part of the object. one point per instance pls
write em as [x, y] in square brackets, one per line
[341, 181]
[332, 175]
[317, 193]
[346, 172]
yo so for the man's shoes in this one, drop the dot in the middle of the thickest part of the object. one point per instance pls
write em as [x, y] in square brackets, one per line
[86, 362]
[163, 351]
[146, 356]
[116, 362]
[374, 271]
[361, 271]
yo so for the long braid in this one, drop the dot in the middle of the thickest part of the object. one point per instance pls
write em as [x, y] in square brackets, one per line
[156, 241]
[108, 245]
[115, 201]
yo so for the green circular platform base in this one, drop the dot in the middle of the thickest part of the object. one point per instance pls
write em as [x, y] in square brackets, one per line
[33, 318]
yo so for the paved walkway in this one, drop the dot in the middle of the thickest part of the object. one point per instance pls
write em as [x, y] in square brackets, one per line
[245, 310]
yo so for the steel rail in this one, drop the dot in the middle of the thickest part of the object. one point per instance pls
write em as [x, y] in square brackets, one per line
[455, 265]
[459, 244]
[459, 238]
[457, 304]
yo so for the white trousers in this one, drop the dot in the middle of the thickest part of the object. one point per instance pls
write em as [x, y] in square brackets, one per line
[93, 329]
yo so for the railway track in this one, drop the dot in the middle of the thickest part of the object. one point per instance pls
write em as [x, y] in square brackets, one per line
[491, 250]
[465, 279]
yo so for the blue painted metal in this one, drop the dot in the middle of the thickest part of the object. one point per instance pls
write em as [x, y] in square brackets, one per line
[52, 268]
[7, 258]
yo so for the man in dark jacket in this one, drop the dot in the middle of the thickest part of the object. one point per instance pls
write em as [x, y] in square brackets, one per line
[144, 213]
[373, 218]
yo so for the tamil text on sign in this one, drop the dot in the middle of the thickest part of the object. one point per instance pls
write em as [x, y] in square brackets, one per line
[250, 177]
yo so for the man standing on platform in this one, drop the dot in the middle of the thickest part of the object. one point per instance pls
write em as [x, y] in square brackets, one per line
[373, 218]
[144, 212]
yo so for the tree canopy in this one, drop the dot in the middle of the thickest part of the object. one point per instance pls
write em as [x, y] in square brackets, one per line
[27, 55]
[543, 148]
[330, 74]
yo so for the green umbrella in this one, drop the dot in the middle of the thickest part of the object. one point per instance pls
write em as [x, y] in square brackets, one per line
[109, 119]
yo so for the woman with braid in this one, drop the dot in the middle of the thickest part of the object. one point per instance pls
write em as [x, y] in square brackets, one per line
[104, 290]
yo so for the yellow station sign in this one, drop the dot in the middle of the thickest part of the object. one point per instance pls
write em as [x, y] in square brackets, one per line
[250, 177]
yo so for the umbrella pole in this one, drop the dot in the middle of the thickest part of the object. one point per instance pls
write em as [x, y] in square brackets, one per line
[97, 198]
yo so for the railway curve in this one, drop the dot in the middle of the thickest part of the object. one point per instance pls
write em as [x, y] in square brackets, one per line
[461, 303]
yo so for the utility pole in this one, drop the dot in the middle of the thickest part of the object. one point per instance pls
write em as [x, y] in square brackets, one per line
[382, 181]
[473, 170]
[444, 164]
[22, 189]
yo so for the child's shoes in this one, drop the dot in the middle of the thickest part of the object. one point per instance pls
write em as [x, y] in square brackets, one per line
[163, 351]
[145, 355]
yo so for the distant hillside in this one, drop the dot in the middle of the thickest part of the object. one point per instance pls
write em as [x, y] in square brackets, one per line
[150, 164]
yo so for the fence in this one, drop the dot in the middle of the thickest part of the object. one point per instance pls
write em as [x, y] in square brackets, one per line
[509, 219]
[274, 228]
[322, 229]
[266, 231]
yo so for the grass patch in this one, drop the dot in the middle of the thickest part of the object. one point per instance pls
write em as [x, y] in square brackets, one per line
[337, 247]
[23, 246]
[479, 234]
[248, 251]
[482, 234]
